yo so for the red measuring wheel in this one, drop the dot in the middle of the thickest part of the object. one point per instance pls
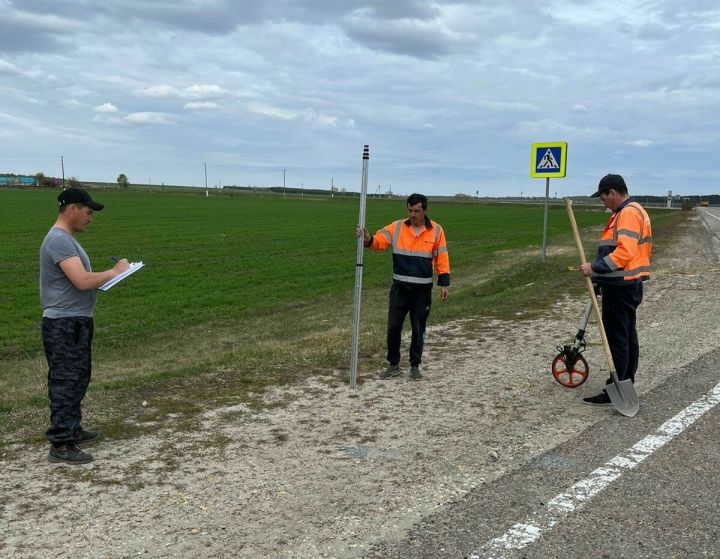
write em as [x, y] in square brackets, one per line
[572, 375]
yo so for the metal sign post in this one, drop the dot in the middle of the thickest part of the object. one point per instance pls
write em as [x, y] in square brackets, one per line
[359, 271]
[548, 160]
[545, 217]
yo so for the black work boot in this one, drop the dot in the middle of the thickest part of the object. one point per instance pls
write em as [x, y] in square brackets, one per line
[390, 372]
[69, 453]
[601, 399]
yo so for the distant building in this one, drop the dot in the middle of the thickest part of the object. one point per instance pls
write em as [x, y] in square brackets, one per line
[16, 180]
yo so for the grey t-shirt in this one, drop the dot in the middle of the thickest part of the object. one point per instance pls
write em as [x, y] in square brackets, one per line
[58, 296]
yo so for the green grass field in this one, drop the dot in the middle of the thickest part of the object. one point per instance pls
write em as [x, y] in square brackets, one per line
[244, 291]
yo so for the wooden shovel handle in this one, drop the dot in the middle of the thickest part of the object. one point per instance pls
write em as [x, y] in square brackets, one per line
[588, 281]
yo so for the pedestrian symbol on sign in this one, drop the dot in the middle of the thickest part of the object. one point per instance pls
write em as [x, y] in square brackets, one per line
[548, 161]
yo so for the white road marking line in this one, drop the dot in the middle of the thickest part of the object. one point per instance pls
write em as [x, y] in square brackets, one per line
[524, 533]
[711, 215]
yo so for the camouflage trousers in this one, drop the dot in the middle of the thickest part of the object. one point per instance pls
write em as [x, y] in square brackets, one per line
[67, 343]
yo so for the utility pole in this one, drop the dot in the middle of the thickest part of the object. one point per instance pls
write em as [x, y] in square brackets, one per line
[62, 166]
[206, 188]
[284, 180]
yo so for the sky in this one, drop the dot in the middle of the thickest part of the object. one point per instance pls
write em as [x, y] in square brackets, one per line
[449, 95]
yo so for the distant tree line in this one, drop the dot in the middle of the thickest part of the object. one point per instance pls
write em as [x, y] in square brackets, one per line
[40, 179]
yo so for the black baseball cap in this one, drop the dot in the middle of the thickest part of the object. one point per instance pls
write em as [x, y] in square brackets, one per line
[78, 196]
[608, 182]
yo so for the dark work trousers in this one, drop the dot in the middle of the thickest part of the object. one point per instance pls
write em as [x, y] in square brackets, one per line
[67, 344]
[416, 300]
[618, 313]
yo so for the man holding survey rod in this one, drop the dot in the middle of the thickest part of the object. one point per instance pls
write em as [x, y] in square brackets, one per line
[419, 250]
[67, 296]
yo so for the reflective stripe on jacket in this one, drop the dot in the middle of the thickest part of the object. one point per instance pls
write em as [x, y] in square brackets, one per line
[625, 247]
[414, 258]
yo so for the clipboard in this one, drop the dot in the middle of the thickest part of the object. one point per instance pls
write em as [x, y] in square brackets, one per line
[134, 267]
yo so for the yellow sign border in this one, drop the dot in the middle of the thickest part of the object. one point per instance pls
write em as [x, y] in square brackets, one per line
[534, 173]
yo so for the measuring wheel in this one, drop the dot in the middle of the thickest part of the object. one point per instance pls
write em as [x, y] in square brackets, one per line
[570, 369]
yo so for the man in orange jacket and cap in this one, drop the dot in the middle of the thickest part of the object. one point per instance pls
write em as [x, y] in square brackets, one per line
[419, 249]
[621, 267]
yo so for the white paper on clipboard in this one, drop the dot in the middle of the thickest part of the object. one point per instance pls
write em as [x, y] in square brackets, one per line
[134, 267]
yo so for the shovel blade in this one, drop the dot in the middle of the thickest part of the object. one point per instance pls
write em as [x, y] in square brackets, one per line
[624, 397]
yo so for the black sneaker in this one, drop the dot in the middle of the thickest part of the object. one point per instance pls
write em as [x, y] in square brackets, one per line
[390, 372]
[69, 454]
[83, 436]
[415, 373]
[601, 399]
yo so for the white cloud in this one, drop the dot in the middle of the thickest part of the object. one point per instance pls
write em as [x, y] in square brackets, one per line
[506, 106]
[307, 115]
[106, 108]
[9, 68]
[39, 22]
[324, 119]
[201, 105]
[33, 100]
[275, 112]
[422, 38]
[599, 12]
[579, 108]
[12, 119]
[544, 128]
[71, 103]
[640, 143]
[158, 91]
[195, 91]
[21, 95]
[148, 118]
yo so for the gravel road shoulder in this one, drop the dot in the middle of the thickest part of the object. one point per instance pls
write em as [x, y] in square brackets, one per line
[333, 471]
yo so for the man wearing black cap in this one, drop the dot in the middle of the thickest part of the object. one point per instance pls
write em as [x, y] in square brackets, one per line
[67, 295]
[621, 267]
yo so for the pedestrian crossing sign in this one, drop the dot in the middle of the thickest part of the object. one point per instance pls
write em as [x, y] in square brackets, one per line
[548, 159]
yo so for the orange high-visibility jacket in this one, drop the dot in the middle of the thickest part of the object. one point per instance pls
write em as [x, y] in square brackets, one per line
[414, 258]
[625, 247]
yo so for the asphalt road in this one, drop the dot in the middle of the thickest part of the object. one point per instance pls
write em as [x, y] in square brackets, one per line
[712, 218]
[667, 506]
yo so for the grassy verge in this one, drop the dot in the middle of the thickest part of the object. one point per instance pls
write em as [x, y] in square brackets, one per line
[166, 377]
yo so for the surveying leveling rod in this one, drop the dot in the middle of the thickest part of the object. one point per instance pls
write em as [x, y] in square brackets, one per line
[359, 271]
